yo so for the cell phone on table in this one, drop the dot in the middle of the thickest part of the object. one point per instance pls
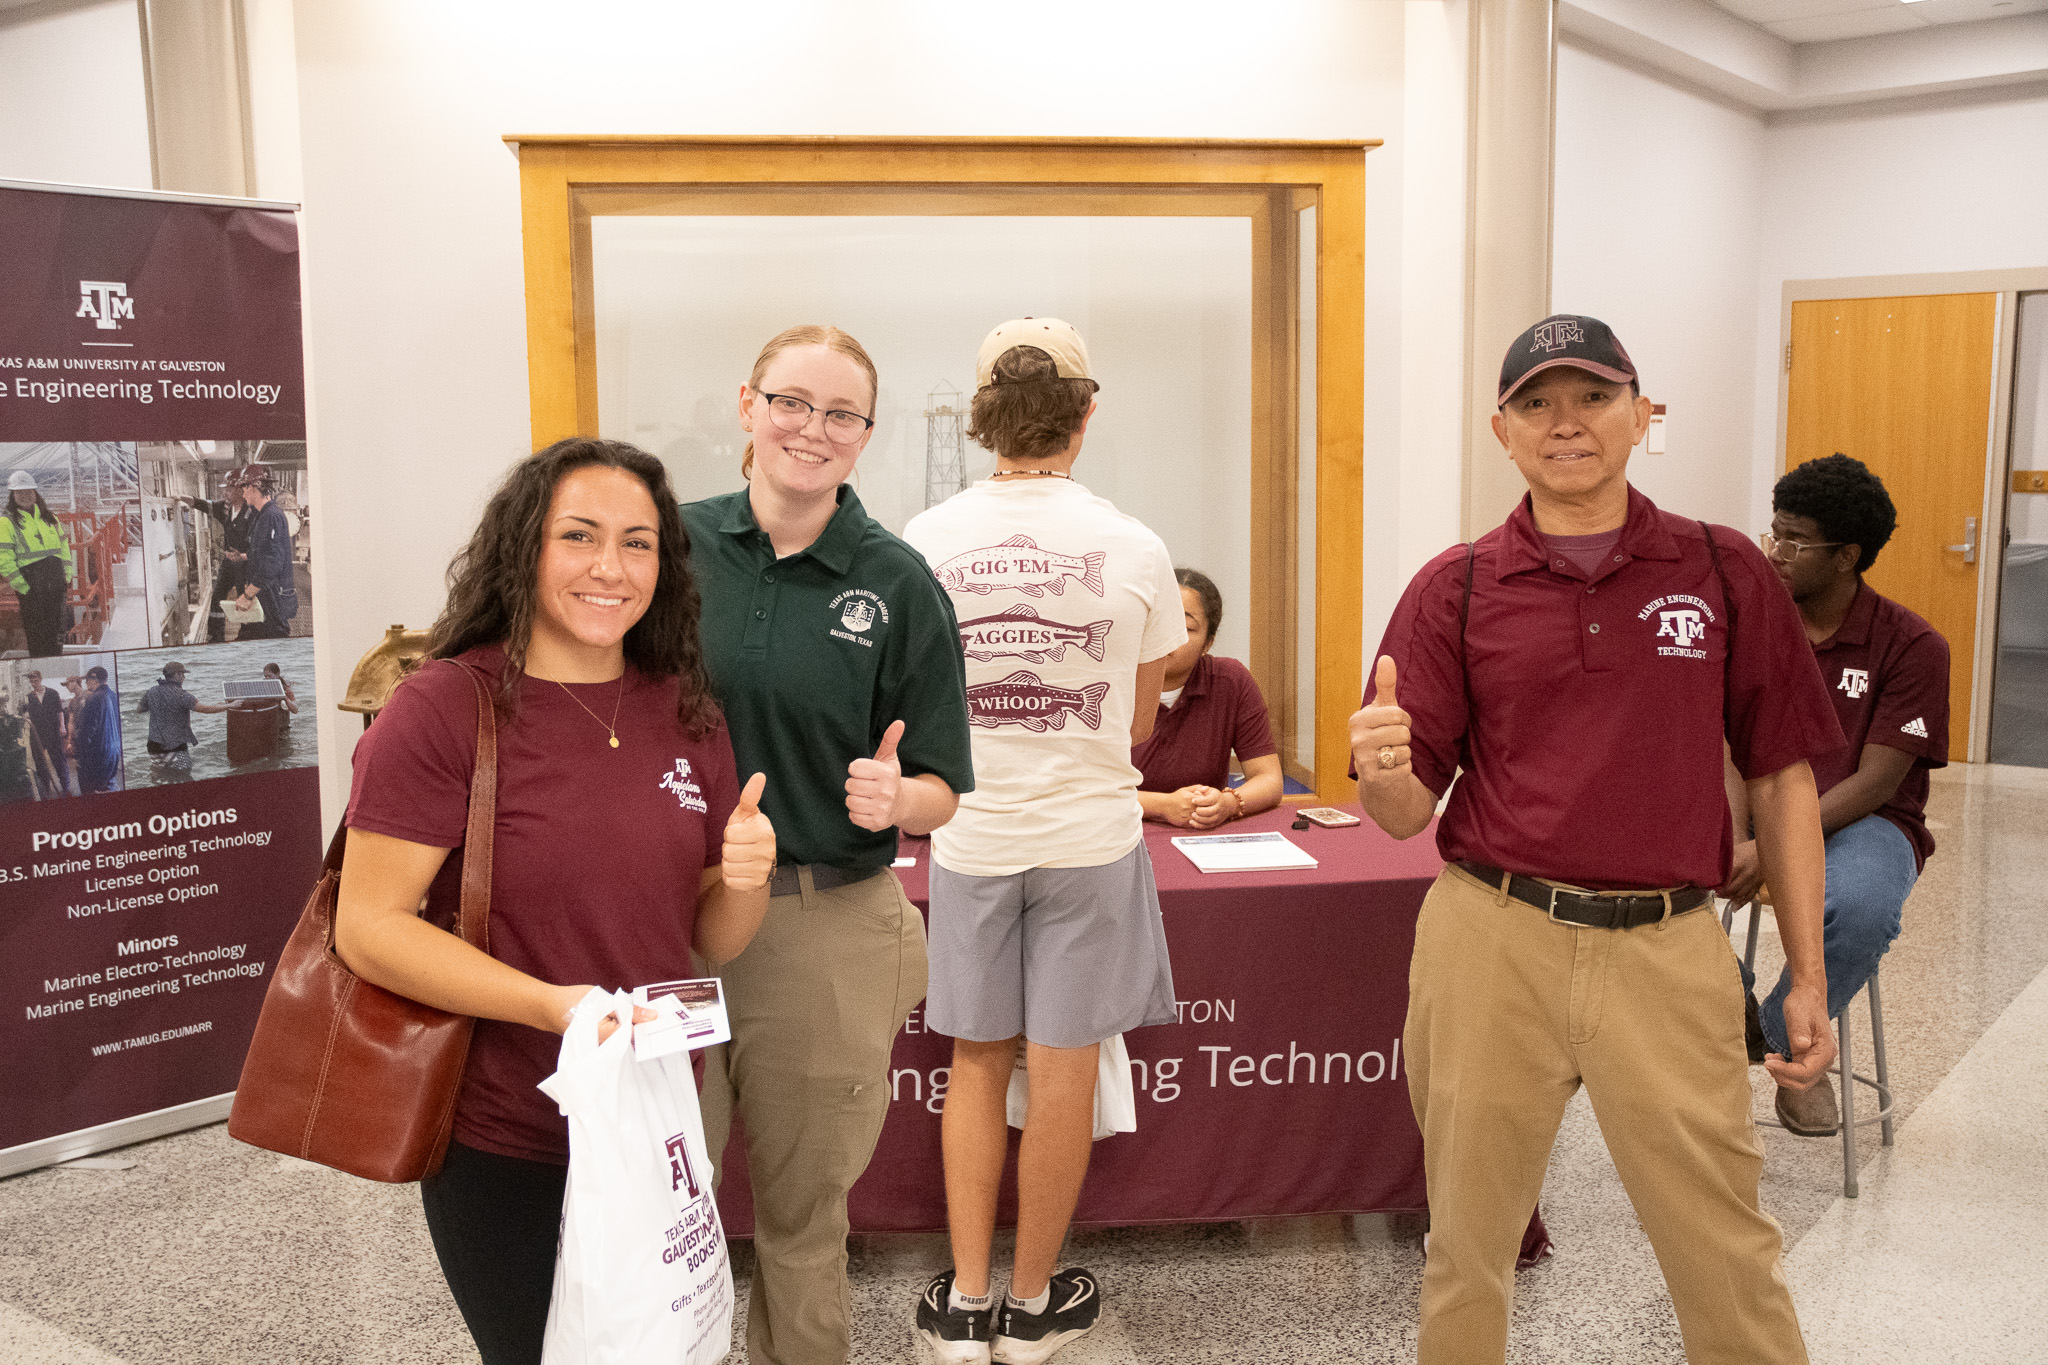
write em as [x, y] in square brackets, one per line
[1329, 817]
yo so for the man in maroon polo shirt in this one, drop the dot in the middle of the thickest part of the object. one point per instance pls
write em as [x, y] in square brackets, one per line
[1582, 664]
[1887, 674]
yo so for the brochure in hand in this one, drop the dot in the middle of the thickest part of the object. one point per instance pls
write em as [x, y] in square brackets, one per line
[691, 1015]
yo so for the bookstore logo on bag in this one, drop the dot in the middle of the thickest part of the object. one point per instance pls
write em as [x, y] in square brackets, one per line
[680, 1171]
[106, 302]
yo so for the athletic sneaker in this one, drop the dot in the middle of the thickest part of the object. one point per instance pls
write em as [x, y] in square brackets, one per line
[1027, 1338]
[958, 1336]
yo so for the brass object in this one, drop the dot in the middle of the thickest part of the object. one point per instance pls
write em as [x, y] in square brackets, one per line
[381, 670]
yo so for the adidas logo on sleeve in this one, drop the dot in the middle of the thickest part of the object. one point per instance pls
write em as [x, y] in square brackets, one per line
[1915, 727]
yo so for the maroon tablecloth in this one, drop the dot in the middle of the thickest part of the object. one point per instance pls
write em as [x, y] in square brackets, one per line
[1279, 1090]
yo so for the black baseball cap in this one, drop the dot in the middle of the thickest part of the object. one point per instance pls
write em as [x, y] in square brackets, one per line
[1564, 339]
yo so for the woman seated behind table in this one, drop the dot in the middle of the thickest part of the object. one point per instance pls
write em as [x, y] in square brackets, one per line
[1208, 709]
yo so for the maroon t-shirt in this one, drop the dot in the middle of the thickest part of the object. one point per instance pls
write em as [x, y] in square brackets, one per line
[1887, 671]
[1587, 711]
[1219, 710]
[595, 862]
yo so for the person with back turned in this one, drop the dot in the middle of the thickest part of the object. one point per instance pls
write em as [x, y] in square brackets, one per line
[1582, 663]
[1887, 675]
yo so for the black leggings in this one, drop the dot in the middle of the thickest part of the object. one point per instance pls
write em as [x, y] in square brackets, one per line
[495, 1220]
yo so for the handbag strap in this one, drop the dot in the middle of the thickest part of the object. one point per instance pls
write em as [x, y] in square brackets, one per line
[483, 820]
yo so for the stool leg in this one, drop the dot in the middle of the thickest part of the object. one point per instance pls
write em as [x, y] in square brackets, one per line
[1849, 1187]
[1884, 1081]
[1756, 915]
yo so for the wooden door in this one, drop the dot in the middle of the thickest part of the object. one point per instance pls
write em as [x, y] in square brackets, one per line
[1904, 385]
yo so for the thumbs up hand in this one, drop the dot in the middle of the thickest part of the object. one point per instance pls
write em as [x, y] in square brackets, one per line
[748, 858]
[1379, 734]
[874, 786]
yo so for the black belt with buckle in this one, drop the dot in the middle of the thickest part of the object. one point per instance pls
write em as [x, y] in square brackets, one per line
[824, 877]
[1595, 909]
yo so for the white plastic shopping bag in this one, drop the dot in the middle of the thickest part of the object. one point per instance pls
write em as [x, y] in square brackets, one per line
[641, 1276]
[1116, 1101]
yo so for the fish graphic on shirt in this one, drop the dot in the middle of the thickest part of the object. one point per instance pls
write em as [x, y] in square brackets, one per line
[1019, 565]
[1023, 633]
[1025, 699]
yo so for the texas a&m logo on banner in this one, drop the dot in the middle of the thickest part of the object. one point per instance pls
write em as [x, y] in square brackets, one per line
[106, 302]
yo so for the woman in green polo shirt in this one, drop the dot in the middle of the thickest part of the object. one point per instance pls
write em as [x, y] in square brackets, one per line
[837, 660]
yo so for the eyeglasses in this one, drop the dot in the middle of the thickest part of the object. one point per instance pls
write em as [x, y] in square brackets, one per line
[1793, 548]
[794, 414]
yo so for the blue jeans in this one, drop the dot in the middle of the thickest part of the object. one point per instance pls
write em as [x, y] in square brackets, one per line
[1871, 870]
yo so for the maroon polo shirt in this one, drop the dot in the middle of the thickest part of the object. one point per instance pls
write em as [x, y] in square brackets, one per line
[1219, 710]
[1887, 674]
[1587, 711]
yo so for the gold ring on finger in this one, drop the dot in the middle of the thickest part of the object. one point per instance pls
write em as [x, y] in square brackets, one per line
[1388, 758]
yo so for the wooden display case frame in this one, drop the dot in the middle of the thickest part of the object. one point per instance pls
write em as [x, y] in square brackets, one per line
[565, 181]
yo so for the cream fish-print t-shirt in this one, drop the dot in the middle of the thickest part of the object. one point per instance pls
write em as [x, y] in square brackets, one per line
[1059, 597]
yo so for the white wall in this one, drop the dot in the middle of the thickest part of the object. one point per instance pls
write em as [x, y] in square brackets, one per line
[1658, 214]
[683, 305]
[71, 106]
[1945, 183]
[415, 306]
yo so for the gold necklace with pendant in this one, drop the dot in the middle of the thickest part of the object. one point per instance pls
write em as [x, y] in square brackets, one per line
[613, 728]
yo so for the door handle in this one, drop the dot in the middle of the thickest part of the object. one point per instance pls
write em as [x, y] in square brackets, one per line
[1968, 549]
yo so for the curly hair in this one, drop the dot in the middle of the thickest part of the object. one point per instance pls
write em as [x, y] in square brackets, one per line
[1844, 498]
[1027, 412]
[1204, 588]
[493, 590]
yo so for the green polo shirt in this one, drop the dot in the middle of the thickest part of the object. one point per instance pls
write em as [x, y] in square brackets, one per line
[815, 655]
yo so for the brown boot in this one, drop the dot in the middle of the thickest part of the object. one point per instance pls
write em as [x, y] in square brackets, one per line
[1812, 1112]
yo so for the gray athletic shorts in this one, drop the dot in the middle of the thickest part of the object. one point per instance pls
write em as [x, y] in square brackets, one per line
[1066, 956]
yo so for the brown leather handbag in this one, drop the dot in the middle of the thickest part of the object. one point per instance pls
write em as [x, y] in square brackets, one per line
[347, 1074]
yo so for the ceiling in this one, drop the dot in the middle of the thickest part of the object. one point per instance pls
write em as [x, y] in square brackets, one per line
[1819, 21]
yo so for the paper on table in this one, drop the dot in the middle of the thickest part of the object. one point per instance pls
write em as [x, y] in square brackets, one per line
[1268, 852]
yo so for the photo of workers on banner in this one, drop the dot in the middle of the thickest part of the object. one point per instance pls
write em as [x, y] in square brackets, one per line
[228, 539]
[60, 727]
[70, 567]
[217, 711]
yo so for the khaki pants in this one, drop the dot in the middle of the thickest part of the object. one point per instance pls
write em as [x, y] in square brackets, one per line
[1508, 1014]
[816, 1001]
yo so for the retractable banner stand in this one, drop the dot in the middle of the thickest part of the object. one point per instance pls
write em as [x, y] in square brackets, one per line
[159, 779]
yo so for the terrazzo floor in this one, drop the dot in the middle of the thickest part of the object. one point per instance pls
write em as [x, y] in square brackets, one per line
[205, 1251]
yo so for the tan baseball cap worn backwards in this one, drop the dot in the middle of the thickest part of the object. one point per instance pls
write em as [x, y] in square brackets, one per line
[1057, 339]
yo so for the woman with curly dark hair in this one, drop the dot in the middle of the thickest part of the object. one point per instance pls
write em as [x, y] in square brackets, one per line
[623, 840]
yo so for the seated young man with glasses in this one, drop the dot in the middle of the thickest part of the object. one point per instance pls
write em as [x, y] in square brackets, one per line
[1887, 671]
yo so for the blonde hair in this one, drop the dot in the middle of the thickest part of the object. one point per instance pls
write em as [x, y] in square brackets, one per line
[809, 334]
